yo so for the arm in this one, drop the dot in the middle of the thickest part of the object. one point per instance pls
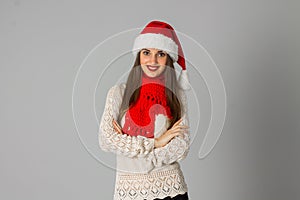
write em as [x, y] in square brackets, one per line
[178, 148]
[110, 140]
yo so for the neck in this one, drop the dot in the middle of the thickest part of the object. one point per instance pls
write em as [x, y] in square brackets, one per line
[158, 79]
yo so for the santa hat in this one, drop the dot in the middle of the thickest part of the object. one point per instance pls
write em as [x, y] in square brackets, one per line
[161, 35]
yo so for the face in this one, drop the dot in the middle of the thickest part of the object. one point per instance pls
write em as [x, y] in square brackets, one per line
[153, 61]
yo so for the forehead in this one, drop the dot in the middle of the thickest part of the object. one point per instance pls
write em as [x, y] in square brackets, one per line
[153, 50]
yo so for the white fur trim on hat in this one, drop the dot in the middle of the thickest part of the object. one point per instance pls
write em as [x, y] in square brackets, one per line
[183, 80]
[158, 41]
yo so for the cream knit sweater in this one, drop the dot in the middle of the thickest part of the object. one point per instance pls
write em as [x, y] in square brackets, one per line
[144, 172]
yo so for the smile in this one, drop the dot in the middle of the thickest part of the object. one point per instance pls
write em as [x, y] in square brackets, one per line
[152, 68]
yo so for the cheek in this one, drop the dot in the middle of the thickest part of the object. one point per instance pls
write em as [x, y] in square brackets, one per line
[143, 59]
[162, 61]
[162, 69]
[143, 68]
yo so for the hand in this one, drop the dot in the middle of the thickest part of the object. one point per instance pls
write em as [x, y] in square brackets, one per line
[176, 130]
[117, 127]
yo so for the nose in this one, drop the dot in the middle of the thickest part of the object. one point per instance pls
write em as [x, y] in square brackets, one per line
[153, 59]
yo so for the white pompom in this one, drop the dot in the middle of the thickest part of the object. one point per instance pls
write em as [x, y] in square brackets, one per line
[183, 80]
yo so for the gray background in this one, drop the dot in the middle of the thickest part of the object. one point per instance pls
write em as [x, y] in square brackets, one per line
[254, 43]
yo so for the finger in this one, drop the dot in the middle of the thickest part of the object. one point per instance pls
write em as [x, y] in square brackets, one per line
[118, 129]
[174, 132]
[176, 123]
[179, 127]
[115, 122]
[115, 127]
[118, 125]
[179, 134]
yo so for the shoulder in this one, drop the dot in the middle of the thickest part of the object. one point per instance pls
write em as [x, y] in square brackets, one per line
[182, 99]
[181, 94]
[116, 90]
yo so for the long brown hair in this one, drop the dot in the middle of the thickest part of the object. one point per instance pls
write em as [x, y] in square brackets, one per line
[133, 86]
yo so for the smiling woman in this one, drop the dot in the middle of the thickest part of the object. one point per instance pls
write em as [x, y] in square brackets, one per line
[145, 120]
[153, 61]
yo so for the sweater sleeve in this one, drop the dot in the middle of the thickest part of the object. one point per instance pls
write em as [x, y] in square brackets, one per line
[178, 148]
[112, 141]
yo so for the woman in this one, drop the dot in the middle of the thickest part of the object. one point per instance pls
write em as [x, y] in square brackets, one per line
[145, 121]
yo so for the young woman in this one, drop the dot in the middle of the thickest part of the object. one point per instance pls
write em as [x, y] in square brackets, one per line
[145, 120]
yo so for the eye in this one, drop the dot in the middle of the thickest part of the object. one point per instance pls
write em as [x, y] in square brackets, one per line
[146, 52]
[161, 54]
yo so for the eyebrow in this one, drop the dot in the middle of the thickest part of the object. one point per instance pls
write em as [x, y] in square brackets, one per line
[149, 50]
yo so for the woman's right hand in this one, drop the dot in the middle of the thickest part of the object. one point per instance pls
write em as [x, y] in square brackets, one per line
[176, 130]
[117, 127]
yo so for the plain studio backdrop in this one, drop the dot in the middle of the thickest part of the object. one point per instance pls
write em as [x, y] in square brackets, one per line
[255, 45]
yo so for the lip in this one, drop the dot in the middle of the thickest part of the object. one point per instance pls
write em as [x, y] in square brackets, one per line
[152, 68]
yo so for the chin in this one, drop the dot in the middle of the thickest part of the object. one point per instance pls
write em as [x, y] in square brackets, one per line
[151, 75]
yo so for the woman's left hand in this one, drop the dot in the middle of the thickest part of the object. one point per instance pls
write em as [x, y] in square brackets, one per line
[176, 130]
[117, 127]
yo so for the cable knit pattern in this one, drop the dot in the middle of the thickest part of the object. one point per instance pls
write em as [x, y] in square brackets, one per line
[157, 184]
[164, 176]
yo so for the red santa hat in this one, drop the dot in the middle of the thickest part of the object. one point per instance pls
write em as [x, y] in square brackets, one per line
[161, 35]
